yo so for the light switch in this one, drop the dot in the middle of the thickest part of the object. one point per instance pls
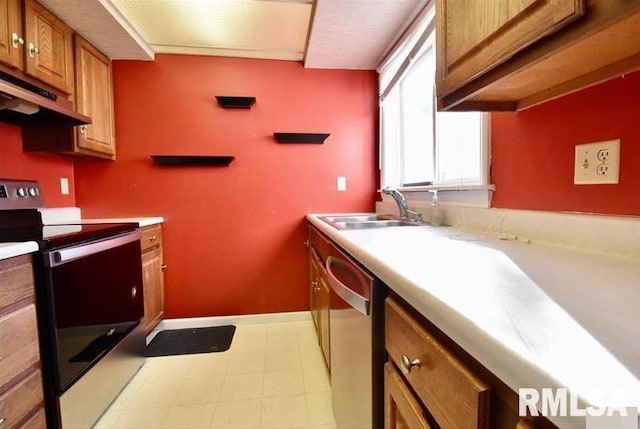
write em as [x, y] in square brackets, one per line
[64, 186]
[342, 183]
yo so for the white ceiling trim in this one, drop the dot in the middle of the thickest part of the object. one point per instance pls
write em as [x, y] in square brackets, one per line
[126, 26]
[238, 53]
[102, 25]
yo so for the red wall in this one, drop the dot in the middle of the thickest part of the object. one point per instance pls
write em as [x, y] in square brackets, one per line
[47, 169]
[533, 150]
[234, 236]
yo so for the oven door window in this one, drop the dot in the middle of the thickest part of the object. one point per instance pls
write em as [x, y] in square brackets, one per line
[97, 300]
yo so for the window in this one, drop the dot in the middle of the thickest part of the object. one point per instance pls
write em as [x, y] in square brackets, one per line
[422, 148]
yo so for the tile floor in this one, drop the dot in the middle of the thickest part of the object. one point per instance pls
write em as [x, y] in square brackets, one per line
[273, 376]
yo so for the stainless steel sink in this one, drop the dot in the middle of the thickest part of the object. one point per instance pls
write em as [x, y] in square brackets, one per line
[367, 221]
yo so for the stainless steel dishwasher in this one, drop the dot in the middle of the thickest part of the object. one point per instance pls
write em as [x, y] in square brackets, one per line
[357, 343]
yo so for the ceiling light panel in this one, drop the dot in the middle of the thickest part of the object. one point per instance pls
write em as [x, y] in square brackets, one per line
[261, 29]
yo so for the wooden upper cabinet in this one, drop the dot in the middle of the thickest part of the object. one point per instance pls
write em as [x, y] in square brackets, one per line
[477, 35]
[48, 46]
[94, 98]
[513, 54]
[11, 36]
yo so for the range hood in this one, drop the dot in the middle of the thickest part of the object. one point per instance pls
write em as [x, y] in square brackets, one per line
[21, 103]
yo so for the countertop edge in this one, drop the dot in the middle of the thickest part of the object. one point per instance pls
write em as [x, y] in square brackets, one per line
[10, 250]
[141, 221]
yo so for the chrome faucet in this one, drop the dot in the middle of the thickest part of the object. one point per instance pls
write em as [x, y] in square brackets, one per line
[401, 201]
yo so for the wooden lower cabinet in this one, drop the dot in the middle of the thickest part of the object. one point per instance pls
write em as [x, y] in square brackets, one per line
[152, 276]
[402, 409]
[323, 317]
[453, 393]
[430, 381]
[319, 296]
[21, 392]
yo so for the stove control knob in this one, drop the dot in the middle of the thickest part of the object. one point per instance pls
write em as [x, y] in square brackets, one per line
[22, 192]
[33, 192]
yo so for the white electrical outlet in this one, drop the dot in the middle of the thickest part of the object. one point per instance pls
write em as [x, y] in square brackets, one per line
[64, 186]
[597, 163]
[342, 183]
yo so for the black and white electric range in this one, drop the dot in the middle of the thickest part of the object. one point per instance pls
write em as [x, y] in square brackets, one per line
[89, 301]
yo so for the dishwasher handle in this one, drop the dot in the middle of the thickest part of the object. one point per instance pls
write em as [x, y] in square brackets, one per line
[353, 298]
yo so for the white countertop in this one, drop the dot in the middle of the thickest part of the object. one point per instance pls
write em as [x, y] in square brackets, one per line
[9, 250]
[141, 221]
[534, 315]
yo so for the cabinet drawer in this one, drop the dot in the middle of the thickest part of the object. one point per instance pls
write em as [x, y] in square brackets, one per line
[151, 237]
[18, 342]
[319, 243]
[16, 280]
[401, 408]
[38, 421]
[21, 400]
[454, 396]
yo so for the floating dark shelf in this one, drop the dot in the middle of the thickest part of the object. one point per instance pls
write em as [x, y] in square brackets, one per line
[196, 160]
[231, 102]
[314, 138]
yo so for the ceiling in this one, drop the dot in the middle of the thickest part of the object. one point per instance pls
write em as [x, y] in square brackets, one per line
[344, 34]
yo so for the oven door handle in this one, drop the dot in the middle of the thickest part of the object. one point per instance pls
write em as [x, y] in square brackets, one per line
[59, 257]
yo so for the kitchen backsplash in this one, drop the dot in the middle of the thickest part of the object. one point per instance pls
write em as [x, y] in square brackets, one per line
[611, 235]
[47, 169]
[533, 151]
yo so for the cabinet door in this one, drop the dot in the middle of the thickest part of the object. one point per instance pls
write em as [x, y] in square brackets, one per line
[49, 47]
[323, 316]
[94, 98]
[314, 273]
[11, 50]
[474, 36]
[401, 409]
[153, 286]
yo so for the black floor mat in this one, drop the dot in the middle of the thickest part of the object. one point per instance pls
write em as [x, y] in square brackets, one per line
[191, 341]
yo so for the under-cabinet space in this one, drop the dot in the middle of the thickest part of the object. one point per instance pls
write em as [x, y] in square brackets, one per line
[519, 54]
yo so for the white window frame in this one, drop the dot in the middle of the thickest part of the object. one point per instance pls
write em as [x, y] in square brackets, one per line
[408, 50]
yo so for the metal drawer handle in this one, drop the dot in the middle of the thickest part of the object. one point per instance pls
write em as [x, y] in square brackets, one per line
[2, 422]
[84, 129]
[153, 238]
[163, 266]
[307, 243]
[407, 364]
